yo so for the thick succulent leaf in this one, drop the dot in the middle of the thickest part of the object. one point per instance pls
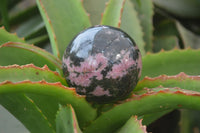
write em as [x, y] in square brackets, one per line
[95, 8]
[133, 125]
[130, 23]
[149, 101]
[66, 121]
[7, 37]
[189, 38]
[49, 109]
[181, 80]
[165, 42]
[165, 27]
[4, 13]
[113, 12]
[64, 19]
[182, 8]
[189, 121]
[53, 91]
[149, 118]
[23, 13]
[25, 110]
[145, 14]
[16, 73]
[19, 53]
[171, 63]
[38, 40]
[30, 27]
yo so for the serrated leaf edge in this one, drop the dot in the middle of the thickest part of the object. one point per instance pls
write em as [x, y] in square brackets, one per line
[155, 93]
[75, 122]
[43, 82]
[14, 34]
[17, 44]
[139, 22]
[180, 76]
[143, 127]
[164, 90]
[121, 12]
[54, 40]
[172, 50]
[44, 68]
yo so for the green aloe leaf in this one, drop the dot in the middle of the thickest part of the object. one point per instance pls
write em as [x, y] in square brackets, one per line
[30, 27]
[113, 12]
[189, 121]
[64, 19]
[54, 92]
[7, 37]
[165, 27]
[181, 80]
[23, 13]
[149, 118]
[181, 8]
[133, 125]
[48, 105]
[38, 40]
[130, 23]
[165, 43]
[95, 9]
[149, 101]
[171, 63]
[4, 14]
[19, 53]
[16, 73]
[66, 121]
[145, 14]
[189, 38]
[25, 110]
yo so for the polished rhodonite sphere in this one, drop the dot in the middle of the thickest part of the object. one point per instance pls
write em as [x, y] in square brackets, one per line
[102, 63]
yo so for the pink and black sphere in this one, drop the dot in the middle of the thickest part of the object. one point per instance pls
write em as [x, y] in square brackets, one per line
[103, 63]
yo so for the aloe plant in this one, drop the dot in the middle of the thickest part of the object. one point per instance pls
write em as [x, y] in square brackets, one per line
[34, 90]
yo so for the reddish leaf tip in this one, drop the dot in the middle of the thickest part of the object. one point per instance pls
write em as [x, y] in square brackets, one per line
[152, 91]
[7, 44]
[162, 50]
[43, 82]
[148, 53]
[180, 76]
[106, 4]
[16, 66]
[121, 12]
[51, 27]
[176, 47]
[143, 127]
[2, 27]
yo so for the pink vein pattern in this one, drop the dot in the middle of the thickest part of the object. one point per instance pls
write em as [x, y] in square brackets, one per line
[121, 69]
[99, 91]
[91, 67]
